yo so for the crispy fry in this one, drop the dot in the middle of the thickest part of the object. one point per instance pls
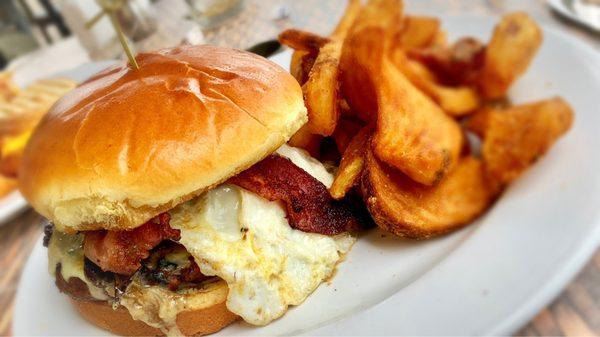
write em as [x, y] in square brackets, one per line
[418, 31]
[296, 66]
[12, 152]
[304, 139]
[345, 23]
[301, 64]
[413, 134]
[514, 43]
[346, 129]
[349, 172]
[440, 40]
[7, 185]
[408, 209]
[8, 88]
[456, 65]
[321, 91]
[479, 121]
[456, 101]
[9, 165]
[362, 52]
[516, 137]
[302, 40]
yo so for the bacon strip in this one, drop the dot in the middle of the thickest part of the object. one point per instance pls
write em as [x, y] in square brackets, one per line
[309, 205]
[121, 251]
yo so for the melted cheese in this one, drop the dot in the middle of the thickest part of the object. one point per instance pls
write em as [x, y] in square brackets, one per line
[67, 249]
[309, 164]
[158, 307]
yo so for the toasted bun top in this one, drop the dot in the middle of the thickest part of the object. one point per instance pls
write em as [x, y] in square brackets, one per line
[129, 144]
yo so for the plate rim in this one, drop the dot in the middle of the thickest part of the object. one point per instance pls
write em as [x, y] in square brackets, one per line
[11, 205]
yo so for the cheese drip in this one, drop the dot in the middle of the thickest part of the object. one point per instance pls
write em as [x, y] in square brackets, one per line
[158, 307]
[67, 249]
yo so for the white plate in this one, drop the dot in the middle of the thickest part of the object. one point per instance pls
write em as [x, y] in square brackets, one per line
[11, 205]
[588, 17]
[489, 278]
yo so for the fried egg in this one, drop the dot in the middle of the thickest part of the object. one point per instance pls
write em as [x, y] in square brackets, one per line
[246, 240]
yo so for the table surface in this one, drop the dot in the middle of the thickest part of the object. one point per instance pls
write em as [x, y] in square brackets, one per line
[576, 312]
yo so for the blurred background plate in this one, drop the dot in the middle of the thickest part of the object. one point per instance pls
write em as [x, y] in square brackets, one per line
[11, 205]
[584, 12]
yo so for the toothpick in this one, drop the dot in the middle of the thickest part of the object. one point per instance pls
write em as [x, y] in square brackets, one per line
[123, 40]
[110, 8]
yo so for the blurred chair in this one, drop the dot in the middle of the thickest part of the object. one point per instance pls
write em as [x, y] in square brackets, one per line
[44, 21]
[15, 34]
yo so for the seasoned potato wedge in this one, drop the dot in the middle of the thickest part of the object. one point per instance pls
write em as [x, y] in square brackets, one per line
[413, 134]
[456, 101]
[409, 209]
[458, 64]
[516, 137]
[418, 31]
[346, 129]
[7, 185]
[350, 13]
[351, 166]
[302, 40]
[301, 64]
[514, 43]
[363, 51]
[306, 140]
[321, 91]
[479, 121]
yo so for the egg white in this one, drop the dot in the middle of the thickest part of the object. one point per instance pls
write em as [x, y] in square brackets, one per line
[246, 240]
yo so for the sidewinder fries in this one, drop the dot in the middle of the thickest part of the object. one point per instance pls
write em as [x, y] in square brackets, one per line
[409, 209]
[516, 137]
[351, 165]
[514, 43]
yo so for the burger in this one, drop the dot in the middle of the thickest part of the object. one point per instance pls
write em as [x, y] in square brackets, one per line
[174, 205]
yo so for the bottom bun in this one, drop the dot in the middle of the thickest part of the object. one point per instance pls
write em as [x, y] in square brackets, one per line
[194, 322]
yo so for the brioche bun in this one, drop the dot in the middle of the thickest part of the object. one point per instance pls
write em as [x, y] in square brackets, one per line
[207, 319]
[129, 144]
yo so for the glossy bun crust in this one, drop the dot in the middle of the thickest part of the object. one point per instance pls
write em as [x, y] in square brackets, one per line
[129, 144]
